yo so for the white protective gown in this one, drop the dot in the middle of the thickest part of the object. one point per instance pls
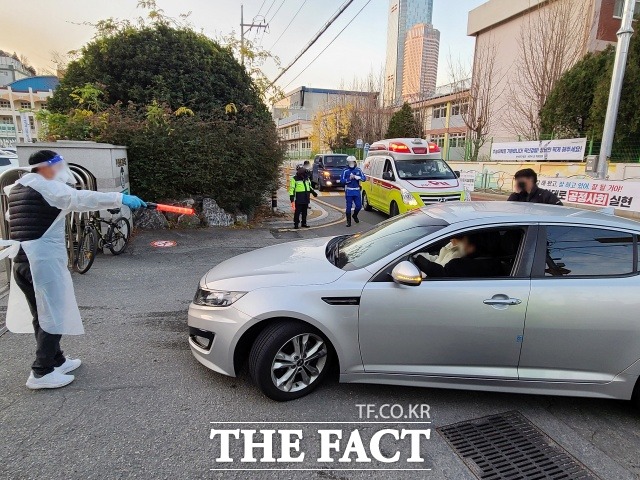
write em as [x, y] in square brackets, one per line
[56, 302]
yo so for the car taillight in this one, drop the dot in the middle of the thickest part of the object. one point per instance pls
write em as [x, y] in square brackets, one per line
[399, 148]
[433, 147]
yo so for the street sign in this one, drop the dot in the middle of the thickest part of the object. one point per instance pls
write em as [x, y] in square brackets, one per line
[359, 143]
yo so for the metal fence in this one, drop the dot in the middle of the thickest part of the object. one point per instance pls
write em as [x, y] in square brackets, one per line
[622, 152]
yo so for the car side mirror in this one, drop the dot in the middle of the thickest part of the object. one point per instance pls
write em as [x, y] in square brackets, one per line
[406, 273]
[457, 173]
[387, 176]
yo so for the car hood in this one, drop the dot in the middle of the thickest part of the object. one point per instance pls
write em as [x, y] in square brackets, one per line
[288, 264]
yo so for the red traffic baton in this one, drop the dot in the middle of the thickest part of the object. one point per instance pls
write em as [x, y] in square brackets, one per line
[170, 208]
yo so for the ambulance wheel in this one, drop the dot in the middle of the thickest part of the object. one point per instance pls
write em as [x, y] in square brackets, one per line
[393, 209]
[365, 202]
[289, 360]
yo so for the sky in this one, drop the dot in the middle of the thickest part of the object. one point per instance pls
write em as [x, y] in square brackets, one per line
[57, 25]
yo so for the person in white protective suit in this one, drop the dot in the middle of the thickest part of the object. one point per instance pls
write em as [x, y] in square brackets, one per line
[41, 297]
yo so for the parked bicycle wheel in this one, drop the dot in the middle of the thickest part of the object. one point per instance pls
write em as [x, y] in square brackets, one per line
[87, 248]
[119, 232]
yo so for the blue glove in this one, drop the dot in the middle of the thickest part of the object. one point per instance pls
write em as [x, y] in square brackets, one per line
[132, 202]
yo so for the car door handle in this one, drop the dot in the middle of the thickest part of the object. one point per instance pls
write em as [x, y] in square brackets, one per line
[502, 301]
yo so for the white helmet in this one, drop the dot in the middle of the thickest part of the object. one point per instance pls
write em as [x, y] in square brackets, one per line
[351, 161]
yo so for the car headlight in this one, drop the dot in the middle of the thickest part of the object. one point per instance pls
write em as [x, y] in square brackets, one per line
[326, 174]
[216, 298]
[407, 198]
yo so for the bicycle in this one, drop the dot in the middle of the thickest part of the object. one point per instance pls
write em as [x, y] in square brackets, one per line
[116, 239]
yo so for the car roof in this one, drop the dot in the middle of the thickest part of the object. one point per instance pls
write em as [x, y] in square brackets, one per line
[456, 212]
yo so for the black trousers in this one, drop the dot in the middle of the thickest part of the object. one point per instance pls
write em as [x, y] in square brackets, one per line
[48, 353]
[301, 209]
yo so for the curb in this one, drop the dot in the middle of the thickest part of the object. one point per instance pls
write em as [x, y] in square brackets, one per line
[315, 227]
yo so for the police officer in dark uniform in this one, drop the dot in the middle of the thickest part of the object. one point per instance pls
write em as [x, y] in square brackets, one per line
[527, 189]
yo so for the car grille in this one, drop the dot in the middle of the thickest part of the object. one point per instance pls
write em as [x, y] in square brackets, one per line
[431, 199]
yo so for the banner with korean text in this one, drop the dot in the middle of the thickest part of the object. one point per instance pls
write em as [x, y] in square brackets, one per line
[569, 149]
[596, 193]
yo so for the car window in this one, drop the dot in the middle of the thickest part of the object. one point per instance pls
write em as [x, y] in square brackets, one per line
[587, 251]
[377, 168]
[485, 253]
[424, 169]
[335, 161]
[387, 167]
[362, 249]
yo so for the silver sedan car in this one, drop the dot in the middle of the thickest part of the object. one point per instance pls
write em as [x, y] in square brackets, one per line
[542, 299]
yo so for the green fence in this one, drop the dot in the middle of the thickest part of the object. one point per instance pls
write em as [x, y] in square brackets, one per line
[622, 152]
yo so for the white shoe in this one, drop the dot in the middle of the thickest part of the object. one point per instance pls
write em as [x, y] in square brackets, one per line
[54, 379]
[69, 365]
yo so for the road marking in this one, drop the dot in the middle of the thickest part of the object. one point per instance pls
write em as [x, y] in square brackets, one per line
[164, 243]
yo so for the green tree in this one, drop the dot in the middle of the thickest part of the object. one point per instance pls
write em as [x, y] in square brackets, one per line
[567, 113]
[191, 116]
[173, 66]
[578, 103]
[403, 124]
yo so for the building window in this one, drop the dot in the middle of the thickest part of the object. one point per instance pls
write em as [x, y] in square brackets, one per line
[32, 123]
[459, 108]
[457, 140]
[619, 7]
[25, 105]
[6, 120]
[438, 140]
[5, 105]
[440, 111]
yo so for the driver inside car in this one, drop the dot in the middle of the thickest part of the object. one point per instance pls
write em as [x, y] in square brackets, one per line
[480, 263]
[457, 247]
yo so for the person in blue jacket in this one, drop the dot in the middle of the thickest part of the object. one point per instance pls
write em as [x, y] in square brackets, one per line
[351, 178]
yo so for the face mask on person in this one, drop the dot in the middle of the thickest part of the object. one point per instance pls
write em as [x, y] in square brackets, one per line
[65, 175]
[61, 170]
[522, 185]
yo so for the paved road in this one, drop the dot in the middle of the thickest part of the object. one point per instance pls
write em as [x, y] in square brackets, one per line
[141, 405]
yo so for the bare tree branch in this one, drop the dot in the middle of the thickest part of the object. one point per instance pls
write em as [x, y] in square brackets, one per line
[552, 38]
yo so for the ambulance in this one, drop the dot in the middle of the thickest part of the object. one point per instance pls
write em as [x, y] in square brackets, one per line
[407, 173]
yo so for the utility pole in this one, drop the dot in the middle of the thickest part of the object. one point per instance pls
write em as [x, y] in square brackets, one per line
[251, 25]
[619, 65]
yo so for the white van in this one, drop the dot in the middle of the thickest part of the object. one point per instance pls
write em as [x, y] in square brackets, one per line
[407, 173]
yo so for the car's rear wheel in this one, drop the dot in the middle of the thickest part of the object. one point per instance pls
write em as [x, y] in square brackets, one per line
[393, 209]
[365, 202]
[288, 360]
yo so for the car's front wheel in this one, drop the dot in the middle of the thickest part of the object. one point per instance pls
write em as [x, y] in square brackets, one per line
[288, 360]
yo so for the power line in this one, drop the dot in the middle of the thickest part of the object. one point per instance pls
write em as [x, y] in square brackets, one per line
[270, 7]
[277, 10]
[288, 25]
[325, 48]
[314, 39]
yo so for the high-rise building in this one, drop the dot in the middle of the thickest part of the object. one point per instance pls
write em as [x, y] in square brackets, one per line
[420, 71]
[403, 14]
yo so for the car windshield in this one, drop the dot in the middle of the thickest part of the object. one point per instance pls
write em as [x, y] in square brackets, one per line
[335, 161]
[362, 249]
[424, 169]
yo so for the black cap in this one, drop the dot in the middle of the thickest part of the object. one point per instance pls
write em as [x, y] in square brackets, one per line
[41, 156]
